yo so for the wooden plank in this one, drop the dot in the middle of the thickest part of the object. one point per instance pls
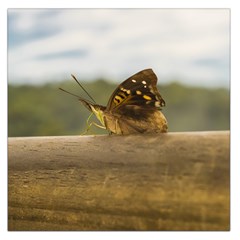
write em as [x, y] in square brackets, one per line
[173, 181]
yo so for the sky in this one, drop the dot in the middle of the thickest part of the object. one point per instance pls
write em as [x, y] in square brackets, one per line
[191, 46]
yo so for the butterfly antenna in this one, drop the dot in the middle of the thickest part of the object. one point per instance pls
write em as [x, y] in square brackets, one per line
[69, 93]
[82, 87]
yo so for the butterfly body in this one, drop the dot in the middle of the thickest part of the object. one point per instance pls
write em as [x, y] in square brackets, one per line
[134, 107]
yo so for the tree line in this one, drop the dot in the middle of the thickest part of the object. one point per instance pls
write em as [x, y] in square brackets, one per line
[47, 111]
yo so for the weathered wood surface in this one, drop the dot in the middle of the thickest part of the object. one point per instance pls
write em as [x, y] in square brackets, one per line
[174, 181]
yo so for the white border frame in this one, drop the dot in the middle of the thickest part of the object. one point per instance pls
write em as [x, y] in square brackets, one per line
[235, 118]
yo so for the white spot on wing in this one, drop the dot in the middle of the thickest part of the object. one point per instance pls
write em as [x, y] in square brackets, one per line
[133, 80]
[144, 82]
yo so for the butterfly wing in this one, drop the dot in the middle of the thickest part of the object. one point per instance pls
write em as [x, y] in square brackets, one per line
[140, 89]
[148, 120]
[134, 106]
[135, 119]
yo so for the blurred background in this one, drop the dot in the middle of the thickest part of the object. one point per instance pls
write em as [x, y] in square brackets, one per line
[188, 49]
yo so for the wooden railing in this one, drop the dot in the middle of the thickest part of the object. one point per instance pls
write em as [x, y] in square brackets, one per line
[173, 181]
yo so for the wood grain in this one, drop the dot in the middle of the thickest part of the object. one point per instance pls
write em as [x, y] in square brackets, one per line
[173, 181]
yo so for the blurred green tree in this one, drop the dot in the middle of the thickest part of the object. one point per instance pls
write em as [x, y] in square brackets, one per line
[45, 110]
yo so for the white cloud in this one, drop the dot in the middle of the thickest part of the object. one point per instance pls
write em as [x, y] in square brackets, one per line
[120, 42]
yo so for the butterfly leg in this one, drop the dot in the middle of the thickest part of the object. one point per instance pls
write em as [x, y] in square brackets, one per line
[99, 126]
[89, 125]
[117, 127]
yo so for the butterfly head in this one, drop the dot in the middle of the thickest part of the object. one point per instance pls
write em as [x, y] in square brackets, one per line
[92, 107]
[98, 111]
[95, 108]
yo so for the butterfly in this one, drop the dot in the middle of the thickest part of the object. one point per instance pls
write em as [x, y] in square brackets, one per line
[134, 107]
